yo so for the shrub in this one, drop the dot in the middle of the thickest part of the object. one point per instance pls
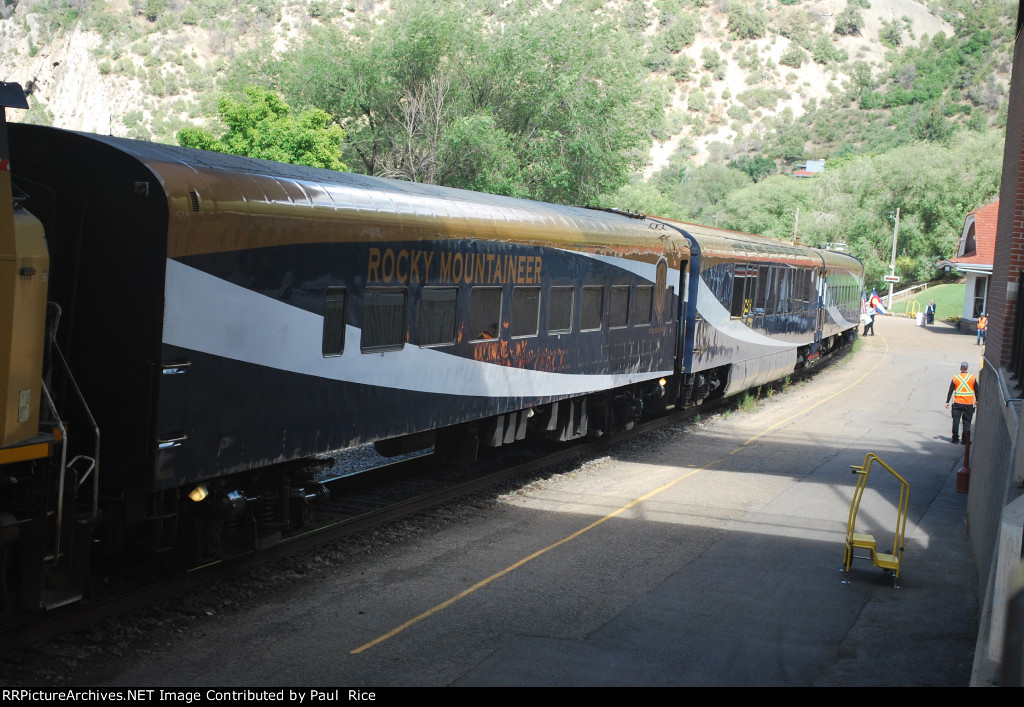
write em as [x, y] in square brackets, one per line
[761, 98]
[681, 33]
[849, 22]
[891, 34]
[156, 83]
[824, 50]
[154, 9]
[794, 57]
[739, 114]
[746, 24]
[681, 67]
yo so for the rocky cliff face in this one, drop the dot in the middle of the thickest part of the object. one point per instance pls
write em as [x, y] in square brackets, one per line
[63, 79]
[145, 83]
[151, 86]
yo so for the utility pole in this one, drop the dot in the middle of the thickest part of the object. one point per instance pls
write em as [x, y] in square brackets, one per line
[796, 223]
[892, 262]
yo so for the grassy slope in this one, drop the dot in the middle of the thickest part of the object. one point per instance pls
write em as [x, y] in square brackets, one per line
[949, 301]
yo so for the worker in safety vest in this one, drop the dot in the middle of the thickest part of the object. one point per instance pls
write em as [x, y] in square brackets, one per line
[964, 391]
[982, 328]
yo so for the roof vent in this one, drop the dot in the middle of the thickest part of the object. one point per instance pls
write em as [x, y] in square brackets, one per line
[193, 196]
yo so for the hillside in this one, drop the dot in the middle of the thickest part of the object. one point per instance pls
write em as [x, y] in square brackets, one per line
[146, 69]
[810, 82]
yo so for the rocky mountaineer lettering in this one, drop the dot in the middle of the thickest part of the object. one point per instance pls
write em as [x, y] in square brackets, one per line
[420, 267]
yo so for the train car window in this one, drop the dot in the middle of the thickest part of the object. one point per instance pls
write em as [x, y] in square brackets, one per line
[740, 288]
[438, 316]
[384, 320]
[785, 276]
[763, 282]
[484, 313]
[618, 307]
[642, 305]
[560, 309]
[334, 321]
[592, 308]
[525, 314]
[771, 302]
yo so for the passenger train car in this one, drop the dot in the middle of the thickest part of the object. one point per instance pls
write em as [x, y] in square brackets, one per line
[757, 308]
[213, 319]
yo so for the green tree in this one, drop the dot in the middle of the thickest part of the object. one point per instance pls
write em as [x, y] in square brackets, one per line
[681, 68]
[891, 33]
[644, 198]
[263, 126]
[931, 126]
[745, 23]
[635, 16]
[794, 56]
[824, 50]
[849, 22]
[681, 33]
[797, 25]
[862, 81]
[757, 167]
[934, 186]
[713, 62]
[701, 192]
[155, 8]
[554, 97]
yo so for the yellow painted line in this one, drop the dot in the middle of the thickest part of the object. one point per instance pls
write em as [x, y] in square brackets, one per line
[820, 402]
[651, 494]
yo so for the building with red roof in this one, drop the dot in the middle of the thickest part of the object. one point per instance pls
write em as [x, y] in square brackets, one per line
[975, 257]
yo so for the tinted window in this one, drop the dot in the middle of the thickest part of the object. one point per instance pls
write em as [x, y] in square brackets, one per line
[742, 286]
[560, 309]
[642, 305]
[591, 308]
[438, 310]
[334, 321]
[618, 307]
[525, 315]
[772, 301]
[383, 320]
[763, 283]
[484, 313]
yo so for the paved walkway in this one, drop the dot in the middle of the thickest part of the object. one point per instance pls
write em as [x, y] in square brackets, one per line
[710, 555]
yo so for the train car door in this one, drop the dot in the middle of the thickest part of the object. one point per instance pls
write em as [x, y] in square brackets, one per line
[684, 336]
[820, 293]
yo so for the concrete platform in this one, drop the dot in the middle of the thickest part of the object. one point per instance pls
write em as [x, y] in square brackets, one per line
[709, 555]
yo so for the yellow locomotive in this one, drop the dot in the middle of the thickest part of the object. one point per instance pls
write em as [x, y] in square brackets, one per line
[36, 554]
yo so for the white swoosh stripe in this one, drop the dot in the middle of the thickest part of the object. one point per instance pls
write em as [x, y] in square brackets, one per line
[637, 267]
[207, 314]
[718, 317]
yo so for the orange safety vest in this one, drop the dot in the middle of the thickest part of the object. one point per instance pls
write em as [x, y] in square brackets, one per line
[983, 323]
[964, 391]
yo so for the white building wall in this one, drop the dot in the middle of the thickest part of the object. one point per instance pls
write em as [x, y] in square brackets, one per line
[971, 284]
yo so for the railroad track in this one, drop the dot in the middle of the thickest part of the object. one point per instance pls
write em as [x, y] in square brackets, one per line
[361, 502]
